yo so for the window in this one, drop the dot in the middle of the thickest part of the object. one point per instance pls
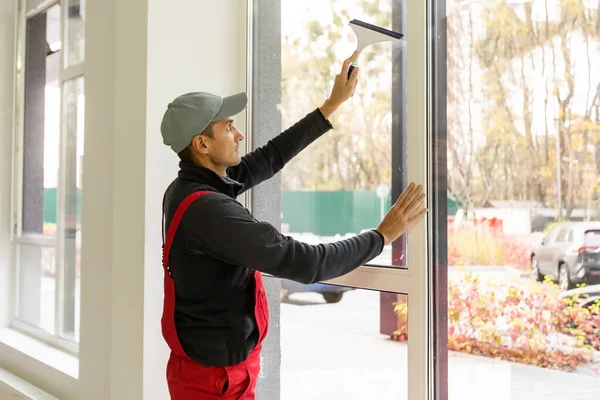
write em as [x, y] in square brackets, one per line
[522, 130]
[49, 155]
[562, 235]
[345, 184]
[316, 333]
[569, 238]
[551, 237]
[591, 238]
[514, 118]
[337, 333]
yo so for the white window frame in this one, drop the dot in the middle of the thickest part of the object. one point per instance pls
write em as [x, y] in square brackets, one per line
[26, 10]
[414, 280]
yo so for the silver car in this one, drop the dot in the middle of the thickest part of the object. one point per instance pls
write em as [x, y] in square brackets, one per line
[570, 253]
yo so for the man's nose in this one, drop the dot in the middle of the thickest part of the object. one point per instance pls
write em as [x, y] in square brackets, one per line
[240, 135]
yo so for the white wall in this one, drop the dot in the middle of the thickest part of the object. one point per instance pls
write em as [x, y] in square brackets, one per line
[203, 49]
[515, 221]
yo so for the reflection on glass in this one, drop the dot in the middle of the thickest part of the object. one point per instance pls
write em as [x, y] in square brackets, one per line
[37, 286]
[75, 32]
[41, 123]
[523, 149]
[344, 183]
[335, 343]
[73, 155]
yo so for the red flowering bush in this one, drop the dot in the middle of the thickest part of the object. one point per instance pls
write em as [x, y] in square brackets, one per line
[520, 321]
[481, 246]
[581, 322]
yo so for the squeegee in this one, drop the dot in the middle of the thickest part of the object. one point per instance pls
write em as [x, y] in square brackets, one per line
[367, 34]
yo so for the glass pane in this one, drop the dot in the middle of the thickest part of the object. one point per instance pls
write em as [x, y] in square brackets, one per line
[74, 103]
[37, 286]
[336, 343]
[41, 122]
[562, 235]
[523, 146]
[344, 183]
[75, 32]
[592, 238]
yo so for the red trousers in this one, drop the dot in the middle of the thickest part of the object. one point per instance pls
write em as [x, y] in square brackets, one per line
[189, 380]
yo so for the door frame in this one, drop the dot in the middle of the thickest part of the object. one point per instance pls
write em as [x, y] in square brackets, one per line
[414, 280]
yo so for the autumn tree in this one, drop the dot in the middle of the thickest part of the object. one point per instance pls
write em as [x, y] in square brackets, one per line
[533, 86]
[357, 154]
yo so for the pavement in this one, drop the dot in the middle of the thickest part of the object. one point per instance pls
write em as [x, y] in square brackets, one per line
[335, 351]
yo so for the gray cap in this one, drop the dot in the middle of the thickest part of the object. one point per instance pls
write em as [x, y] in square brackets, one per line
[189, 115]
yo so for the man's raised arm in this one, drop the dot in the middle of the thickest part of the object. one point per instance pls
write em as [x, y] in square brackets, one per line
[264, 162]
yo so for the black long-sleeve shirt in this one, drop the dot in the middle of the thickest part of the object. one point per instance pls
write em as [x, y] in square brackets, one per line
[219, 243]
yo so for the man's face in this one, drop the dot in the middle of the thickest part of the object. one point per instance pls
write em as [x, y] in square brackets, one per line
[223, 148]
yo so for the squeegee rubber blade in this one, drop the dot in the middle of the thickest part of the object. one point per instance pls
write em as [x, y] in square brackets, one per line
[375, 28]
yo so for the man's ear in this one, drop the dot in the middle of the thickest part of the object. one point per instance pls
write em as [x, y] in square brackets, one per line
[199, 144]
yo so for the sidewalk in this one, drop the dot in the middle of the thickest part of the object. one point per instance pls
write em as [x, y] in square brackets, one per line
[335, 351]
[473, 377]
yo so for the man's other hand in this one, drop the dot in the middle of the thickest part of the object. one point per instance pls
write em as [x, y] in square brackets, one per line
[404, 214]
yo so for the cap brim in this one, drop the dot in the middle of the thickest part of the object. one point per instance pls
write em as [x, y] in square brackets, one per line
[232, 105]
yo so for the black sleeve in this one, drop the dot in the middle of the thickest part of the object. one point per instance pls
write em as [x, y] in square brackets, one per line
[266, 161]
[223, 228]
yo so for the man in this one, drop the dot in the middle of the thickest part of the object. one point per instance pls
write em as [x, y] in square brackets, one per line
[215, 314]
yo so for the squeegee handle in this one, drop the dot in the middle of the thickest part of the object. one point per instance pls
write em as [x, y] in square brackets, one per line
[350, 69]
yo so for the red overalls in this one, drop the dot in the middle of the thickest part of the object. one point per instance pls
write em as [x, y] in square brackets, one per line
[187, 379]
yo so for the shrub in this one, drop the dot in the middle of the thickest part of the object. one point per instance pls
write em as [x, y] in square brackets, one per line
[478, 246]
[522, 322]
[580, 322]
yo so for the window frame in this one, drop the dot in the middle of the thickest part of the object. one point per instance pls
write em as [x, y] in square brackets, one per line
[25, 11]
[415, 278]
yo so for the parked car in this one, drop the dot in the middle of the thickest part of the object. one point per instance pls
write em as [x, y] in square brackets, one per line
[331, 293]
[570, 253]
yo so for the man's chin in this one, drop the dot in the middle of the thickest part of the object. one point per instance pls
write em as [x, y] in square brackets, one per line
[236, 162]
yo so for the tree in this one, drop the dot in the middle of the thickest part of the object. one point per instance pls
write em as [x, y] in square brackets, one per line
[461, 124]
[518, 160]
[357, 154]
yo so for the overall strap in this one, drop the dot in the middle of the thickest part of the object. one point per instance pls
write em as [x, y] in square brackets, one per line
[181, 209]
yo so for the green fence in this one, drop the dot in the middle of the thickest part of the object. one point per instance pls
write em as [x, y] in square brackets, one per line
[50, 205]
[329, 213]
[336, 212]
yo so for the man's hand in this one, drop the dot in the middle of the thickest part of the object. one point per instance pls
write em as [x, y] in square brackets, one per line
[403, 214]
[343, 88]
